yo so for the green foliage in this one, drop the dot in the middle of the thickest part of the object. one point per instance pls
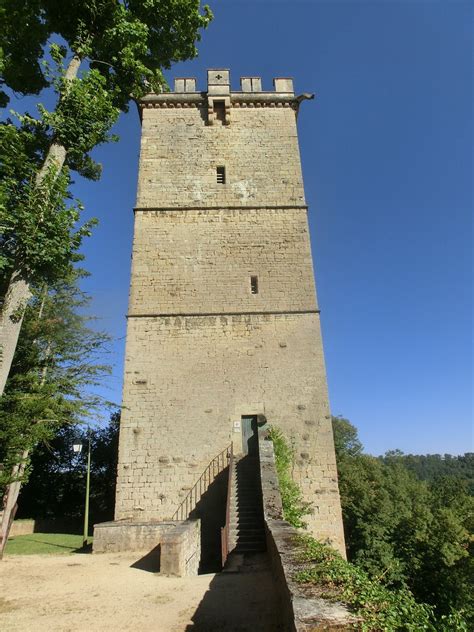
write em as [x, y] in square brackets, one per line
[409, 532]
[57, 365]
[22, 37]
[38, 228]
[380, 608]
[294, 508]
[346, 441]
[128, 41]
[55, 488]
[84, 114]
[430, 467]
[125, 45]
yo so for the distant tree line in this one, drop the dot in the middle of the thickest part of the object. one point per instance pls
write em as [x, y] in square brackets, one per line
[409, 521]
[430, 467]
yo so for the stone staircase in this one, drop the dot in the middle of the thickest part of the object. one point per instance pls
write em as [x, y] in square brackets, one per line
[247, 530]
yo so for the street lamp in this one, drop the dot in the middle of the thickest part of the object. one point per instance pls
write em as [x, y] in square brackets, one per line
[77, 449]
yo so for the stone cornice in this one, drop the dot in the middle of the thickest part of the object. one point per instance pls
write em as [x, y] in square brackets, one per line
[241, 207]
[237, 99]
[293, 312]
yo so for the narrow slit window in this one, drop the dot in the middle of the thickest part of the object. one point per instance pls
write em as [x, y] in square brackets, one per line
[254, 284]
[220, 174]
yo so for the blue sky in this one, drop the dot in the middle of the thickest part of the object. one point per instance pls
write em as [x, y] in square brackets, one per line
[387, 161]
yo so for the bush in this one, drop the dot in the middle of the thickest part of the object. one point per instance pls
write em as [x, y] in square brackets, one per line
[378, 607]
[381, 608]
[294, 507]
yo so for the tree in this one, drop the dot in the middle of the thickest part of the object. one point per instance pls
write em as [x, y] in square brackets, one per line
[346, 440]
[122, 45]
[55, 488]
[58, 364]
[113, 51]
[431, 467]
[405, 531]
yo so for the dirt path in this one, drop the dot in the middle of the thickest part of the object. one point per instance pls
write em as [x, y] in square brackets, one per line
[98, 593]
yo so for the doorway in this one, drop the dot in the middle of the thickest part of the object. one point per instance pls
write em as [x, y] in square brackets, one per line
[250, 435]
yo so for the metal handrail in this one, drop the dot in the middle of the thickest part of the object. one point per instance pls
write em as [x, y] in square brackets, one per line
[215, 467]
[225, 529]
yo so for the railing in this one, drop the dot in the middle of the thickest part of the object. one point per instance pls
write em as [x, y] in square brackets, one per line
[226, 529]
[215, 467]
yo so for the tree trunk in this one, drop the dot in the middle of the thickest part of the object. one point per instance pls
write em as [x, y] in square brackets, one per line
[11, 318]
[18, 293]
[10, 501]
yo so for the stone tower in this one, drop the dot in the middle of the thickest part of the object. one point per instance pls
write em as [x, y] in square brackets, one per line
[223, 322]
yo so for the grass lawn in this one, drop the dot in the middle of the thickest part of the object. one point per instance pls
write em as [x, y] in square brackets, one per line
[44, 543]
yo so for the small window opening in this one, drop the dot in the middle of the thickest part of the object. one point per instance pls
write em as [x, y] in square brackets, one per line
[220, 174]
[219, 111]
[254, 284]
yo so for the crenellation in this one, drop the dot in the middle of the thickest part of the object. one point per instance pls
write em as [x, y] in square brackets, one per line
[251, 84]
[283, 84]
[185, 84]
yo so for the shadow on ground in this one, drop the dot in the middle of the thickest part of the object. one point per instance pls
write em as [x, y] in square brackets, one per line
[84, 550]
[244, 600]
[149, 562]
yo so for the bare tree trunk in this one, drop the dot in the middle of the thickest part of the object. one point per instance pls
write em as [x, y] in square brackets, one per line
[11, 318]
[10, 501]
[18, 293]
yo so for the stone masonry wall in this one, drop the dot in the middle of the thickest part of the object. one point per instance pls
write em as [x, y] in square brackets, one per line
[179, 155]
[181, 550]
[301, 611]
[202, 349]
[188, 379]
[187, 262]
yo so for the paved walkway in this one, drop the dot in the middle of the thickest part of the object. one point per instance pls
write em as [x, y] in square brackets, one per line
[102, 593]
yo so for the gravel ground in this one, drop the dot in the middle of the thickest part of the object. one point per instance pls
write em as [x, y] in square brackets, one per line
[98, 593]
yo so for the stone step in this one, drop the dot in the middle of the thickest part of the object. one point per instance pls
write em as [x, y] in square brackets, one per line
[250, 548]
[251, 539]
[247, 526]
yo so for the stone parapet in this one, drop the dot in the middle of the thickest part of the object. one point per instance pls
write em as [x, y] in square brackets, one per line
[181, 549]
[300, 611]
[115, 537]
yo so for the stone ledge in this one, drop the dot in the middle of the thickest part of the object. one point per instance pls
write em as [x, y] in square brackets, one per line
[301, 612]
[181, 549]
[118, 536]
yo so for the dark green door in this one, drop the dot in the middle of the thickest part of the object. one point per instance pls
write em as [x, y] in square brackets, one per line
[250, 435]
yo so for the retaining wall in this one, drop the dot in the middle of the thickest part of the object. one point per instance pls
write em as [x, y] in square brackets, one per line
[300, 612]
[114, 537]
[181, 549]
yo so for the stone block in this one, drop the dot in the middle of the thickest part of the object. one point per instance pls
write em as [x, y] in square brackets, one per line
[251, 84]
[181, 549]
[283, 84]
[114, 537]
[185, 84]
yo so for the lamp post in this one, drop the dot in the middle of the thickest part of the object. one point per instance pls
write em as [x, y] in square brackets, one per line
[77, 448]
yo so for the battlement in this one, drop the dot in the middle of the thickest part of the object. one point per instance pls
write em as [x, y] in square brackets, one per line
[218, 83]
[219, 94]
